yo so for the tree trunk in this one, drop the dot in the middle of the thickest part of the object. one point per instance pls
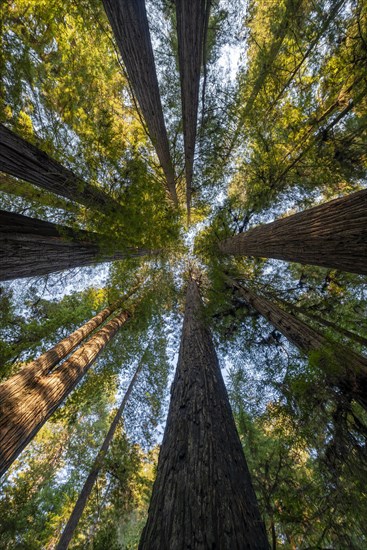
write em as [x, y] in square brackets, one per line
[332, 235]
[48, 360]
[78, 509]
[345, 369]
[29, 192]
[191, 16]
[25, 408]
[30, 247]
[203, 496]
[128, 19]
[325, 322]
[25, 161]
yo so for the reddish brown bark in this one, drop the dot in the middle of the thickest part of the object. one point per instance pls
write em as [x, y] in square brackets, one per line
[203, 496]
[78, 509]
[25, 161]
[30, 247]
[191, 17]
[333, 234]
[25, 407]
[344, 368]
[129, 23]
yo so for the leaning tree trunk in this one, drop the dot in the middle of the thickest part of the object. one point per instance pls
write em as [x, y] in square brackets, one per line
[344, 368]
[203, 496]
[48, 360]
[25, 408]
[192, 17]
[25, 161]
[129, 23]
[78, 509]
[326, 323]
[333, 235]
[29, 192]
[30, 247]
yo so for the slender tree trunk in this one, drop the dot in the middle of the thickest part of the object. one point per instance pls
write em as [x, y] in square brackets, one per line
[326, 323]
[191, 17]
[333, 234]
[78, 509]
[345, 369]
[203, 496]
[25, 161]
[24, 409]
[129, 23]
[30, 247]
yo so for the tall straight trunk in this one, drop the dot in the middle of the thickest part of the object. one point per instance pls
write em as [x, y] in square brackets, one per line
[27, 191]
[30, 247]
[192, 17]
[48, 360]
[129, 22]
[25, 408]
[23, 160]
[78, 509]
[203, 496]
[345, 369]
[326, 323]
[333, 234]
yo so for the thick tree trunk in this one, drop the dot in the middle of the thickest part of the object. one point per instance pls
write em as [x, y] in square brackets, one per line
[333, 235]
[203, 496]
[30, 247]
[78, 509]
[29, 192]
[129, 23]
[191, 16]
[25, 161]
[25, 408]
[344, 368]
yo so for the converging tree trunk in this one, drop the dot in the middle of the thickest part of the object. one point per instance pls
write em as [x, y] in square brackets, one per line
[333, 235]
[203, 496]
[25, 408]
[326, 323]
[25, 161]
[29, 192]
[344, 368]
[129, 23]
[30, 247]
[192, 18]
[78, 509]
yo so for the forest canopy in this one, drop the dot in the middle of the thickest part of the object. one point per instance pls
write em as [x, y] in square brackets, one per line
[182, 183]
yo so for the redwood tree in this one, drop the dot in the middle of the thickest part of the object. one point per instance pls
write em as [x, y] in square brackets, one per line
[20, 158]
[25, 406]
[344, 368]
[78, 509]
[333, 234]
[203, 495]
[129, 23]
[192, 21]
[30, 247]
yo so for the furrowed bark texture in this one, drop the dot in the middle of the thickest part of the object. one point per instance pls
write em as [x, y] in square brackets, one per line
[202, 497]
[25, 408]
[78, 509]
[25, 161]
[191, 16]
[30, 247]
[129, 22]
[349, 369]
[333, 235]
